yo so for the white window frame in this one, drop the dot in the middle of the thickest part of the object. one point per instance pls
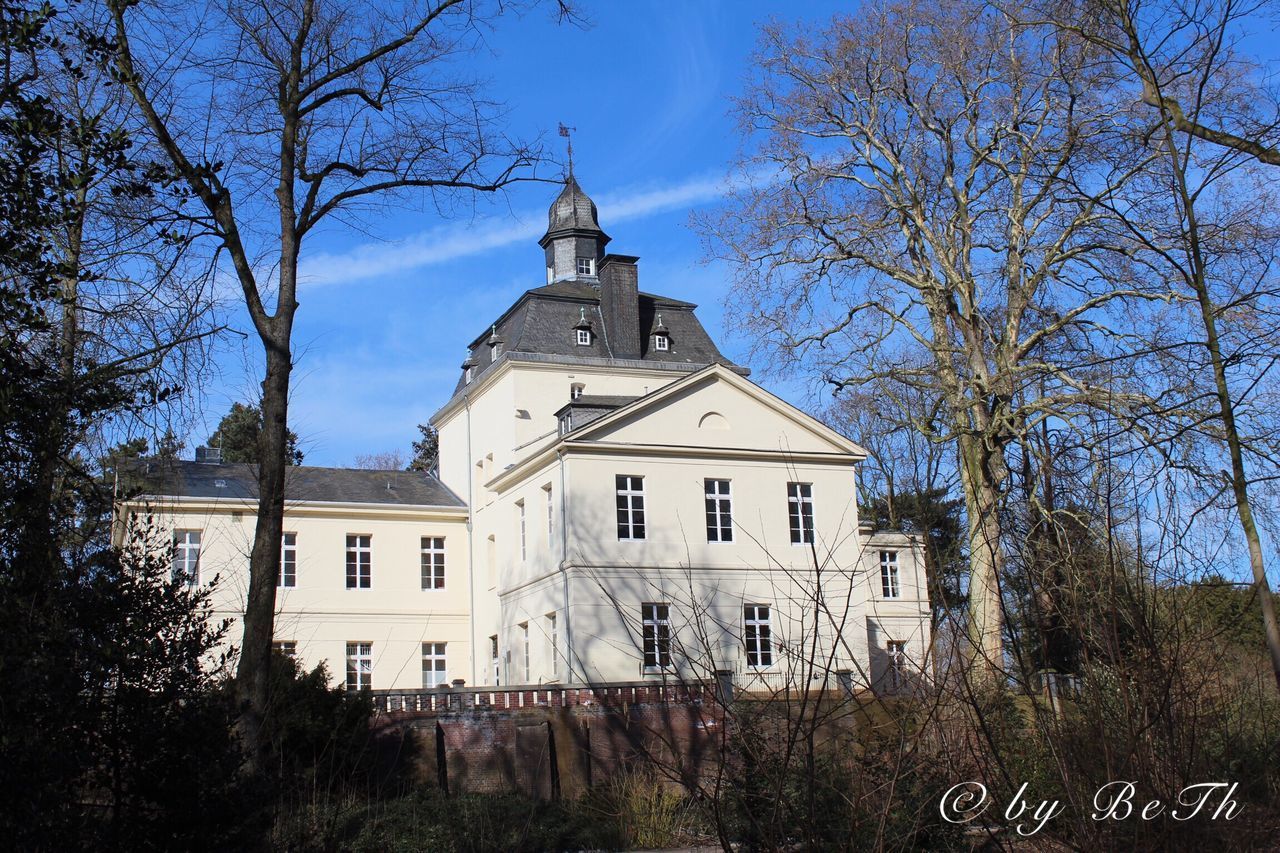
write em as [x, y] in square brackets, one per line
[525, 643]
[896, 650]
[468, 374]
[359, 666]
[433, 562]
[524, 525]
[584, 337]
[288, 577]
[585, 266]
[553, 644]
[359, 561]
[660, 343]
[718, 498]
[800, 513]
[288, 648]
[630, 506]
[655, 636]
[890, 583]
[576, 389]
[186, 556]
[551, 517]
[757, 635]
[434, 665]
[495, 659]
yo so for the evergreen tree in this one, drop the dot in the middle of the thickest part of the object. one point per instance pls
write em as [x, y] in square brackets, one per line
[239, 436]
[426, 450]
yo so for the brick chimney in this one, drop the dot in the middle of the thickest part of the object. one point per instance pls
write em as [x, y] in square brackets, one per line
[620, 304]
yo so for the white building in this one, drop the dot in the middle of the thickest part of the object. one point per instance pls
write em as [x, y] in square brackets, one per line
[616, 502]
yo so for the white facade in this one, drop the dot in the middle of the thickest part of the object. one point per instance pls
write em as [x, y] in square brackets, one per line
[688, 522]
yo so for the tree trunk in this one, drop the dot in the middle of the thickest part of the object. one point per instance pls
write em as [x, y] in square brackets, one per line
[986, 561]
[252, 676]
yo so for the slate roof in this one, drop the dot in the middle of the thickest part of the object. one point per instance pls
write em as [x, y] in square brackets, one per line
[542, 321]
[238, 481]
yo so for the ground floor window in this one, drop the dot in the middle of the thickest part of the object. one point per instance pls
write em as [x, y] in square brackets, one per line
[288, 648]
[359, 666]
[655, 628]
[433, 665]
[757, 635]
[897, 664]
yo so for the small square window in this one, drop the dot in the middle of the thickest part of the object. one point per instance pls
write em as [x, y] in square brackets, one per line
[584, 337]
[586, 266]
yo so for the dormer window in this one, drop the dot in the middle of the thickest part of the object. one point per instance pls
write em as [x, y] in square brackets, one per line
[566, 423]
[586, 266]
[584, 337]
[575, 390]
[468, 373]
[495, 344]
[495, 351]
[661, 342]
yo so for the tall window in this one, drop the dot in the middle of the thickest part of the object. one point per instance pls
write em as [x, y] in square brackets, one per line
[757, 635]
[800, 512]
[630, 506]
[889, 574]
[433, 562]
[524, 548]
[551, 516]
[359, 561]
[359, 666]
[655, 632]
[433, 666]
[553, 645]
[897, 664]
[524, 647]
[719, 511]
[660, 343]
[288, 560]
[186, 556]
[493, 659]
[288, 648]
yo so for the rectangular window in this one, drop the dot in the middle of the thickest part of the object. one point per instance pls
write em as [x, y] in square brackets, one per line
[493, 656]
[586, 266]
[660, 343]
[655, 627]
[584, 337]
[288, 648]
[889, 574]
[433, 665]
[719, 511]
[553, 645]
[359, 666]
[524, 643]
[757, 635]
[630, 506]
[524, 549]
[800, 512]
[288, 560]
[433, 562]
[186, 556]
[551, 516]
[897, 664]
[359, 561]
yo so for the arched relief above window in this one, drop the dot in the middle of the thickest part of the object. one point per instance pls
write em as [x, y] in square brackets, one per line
[713, 420]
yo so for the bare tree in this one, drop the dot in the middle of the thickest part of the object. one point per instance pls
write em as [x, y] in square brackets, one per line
[277, 117]
[937, 222]
[385, 460]
[1207, 219]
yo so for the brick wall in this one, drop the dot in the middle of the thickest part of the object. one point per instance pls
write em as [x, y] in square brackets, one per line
[568, 739]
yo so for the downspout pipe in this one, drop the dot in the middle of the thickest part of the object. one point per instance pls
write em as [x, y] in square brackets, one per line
[471, 545]
[564, 569]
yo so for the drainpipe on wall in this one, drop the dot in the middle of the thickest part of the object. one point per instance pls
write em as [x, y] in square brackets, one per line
[471, 543]
[564, 568]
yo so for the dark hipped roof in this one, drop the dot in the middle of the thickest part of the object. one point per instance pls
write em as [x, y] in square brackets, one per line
[543, 321]
[239, 481]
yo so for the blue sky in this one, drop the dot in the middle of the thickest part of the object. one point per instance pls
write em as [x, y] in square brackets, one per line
[385, 315]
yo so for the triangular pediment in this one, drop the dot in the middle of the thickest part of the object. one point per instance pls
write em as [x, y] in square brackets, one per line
[717, 408]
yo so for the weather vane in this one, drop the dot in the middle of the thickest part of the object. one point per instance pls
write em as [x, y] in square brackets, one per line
[565, 131]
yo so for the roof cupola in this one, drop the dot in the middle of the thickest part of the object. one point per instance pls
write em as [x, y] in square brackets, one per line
[574, 241]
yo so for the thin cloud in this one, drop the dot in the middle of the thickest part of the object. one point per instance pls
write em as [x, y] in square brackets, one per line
[450, 242]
